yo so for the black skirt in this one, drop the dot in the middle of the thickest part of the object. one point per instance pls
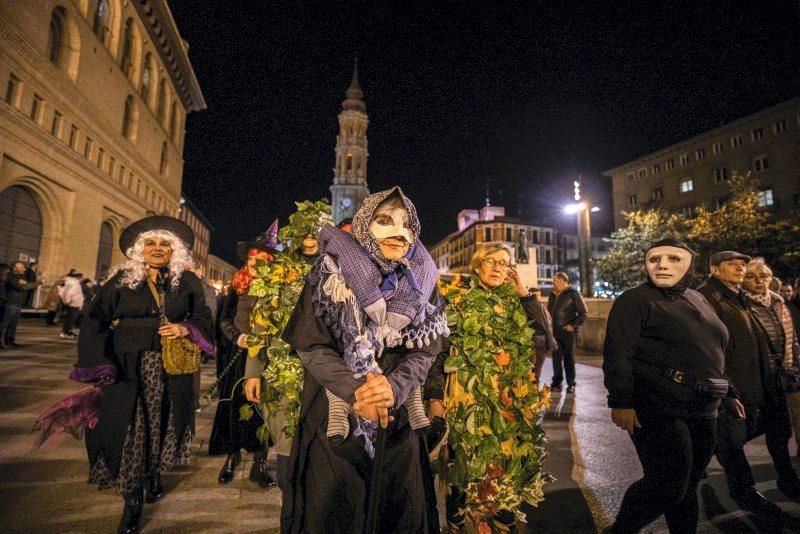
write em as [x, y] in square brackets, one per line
[229, 435]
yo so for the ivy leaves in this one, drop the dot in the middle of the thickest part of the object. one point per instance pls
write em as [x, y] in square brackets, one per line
[493, 408]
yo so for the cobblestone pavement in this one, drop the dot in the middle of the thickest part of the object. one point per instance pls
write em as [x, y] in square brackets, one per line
[46, 490]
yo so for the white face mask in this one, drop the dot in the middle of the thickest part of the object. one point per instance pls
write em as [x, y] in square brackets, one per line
[391, 222]
[667, 265]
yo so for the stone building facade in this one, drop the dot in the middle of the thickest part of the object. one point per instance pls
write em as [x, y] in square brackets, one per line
[349, 187]
[191, 215]
[694, 172]
[93, 102]
[219, 272]
[489, 225]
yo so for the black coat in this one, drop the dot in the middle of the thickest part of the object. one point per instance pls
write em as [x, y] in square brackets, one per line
[746, 362]
[229, 434]
[568, 308]
[329, 488]
[648, 330]
[110, 344]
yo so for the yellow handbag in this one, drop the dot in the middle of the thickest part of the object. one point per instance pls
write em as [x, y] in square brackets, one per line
[180, 356]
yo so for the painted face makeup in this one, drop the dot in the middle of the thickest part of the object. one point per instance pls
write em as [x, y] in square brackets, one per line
[667, 265]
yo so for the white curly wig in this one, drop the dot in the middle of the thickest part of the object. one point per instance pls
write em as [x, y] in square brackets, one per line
[134, 269]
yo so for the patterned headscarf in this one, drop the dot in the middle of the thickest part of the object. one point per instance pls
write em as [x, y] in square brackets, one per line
[363, 219]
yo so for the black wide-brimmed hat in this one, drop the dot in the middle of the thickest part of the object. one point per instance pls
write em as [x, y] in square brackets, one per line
[268, 242]
[156, 222]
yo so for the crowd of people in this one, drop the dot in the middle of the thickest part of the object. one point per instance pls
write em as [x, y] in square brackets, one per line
[697, 373]
[340, 349]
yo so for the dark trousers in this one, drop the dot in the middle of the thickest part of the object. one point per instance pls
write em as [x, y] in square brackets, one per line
[673, 452]
[735, 432]
[564, 358]
[8, 327]
[69, 320]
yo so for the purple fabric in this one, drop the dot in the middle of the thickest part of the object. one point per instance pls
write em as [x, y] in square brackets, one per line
[99, 375]
[197, 337]
[71, 415]
[364, 277]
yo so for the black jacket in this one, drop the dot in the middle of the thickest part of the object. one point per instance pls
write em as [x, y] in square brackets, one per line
[648, 330]
[746, 364]
[16, 291]
[566, 308]
[119, 324]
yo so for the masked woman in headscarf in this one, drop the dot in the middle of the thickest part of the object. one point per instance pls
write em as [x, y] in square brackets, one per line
[664, 367]
[229, 435]
[140, 342]
[367, 327]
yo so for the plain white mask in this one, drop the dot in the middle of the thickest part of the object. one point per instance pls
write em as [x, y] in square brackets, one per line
[667, 265]
[391, 222]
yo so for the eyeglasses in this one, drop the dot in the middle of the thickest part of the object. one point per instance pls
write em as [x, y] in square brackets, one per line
[491, 262]
[763, 277]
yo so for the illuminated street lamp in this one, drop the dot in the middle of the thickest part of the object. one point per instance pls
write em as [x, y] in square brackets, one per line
[582, 209]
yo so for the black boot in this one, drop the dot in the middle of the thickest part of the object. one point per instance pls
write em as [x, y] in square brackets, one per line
[228, 468]
[132, 513]
[259, 472]
[154, 489]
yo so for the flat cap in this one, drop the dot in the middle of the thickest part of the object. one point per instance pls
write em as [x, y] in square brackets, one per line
[727, 255]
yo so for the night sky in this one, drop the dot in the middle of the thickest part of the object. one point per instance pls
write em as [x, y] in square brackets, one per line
[523, 96]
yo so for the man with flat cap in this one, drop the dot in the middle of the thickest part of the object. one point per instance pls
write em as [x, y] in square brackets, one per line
[748, 369]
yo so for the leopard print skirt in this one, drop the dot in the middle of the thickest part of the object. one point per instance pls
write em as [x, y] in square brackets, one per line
[151, 444]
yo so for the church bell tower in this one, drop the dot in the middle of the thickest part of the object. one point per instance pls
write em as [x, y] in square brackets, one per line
[349, 187]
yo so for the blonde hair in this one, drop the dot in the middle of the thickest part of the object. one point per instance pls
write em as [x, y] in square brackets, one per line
[134, 269]
[757, 262]
[487, 250]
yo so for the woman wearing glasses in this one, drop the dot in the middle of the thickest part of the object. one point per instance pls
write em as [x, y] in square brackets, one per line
[492, 404]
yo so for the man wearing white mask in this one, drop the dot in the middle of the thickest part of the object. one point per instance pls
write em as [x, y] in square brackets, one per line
[664, 368]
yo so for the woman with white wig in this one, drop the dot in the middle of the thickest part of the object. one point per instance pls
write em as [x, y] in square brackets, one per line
[139, 344]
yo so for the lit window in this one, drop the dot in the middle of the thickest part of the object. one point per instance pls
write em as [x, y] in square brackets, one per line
[721, 175]
[765, 199]
[757, 134]
[686, 186]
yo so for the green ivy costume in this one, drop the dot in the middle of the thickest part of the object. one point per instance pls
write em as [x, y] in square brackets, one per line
[493, 407]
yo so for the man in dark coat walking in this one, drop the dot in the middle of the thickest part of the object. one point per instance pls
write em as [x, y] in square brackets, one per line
[17, 288]
[748, 370]
[568, 311]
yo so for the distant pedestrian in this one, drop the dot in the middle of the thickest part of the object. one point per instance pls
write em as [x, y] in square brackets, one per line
[664, 368]
[792, 300]
[31, 275]
[543, 341]
[16, 290]
[568, 311]
[72, 296]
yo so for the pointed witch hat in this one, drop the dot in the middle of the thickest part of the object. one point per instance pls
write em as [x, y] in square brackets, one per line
[268, 242]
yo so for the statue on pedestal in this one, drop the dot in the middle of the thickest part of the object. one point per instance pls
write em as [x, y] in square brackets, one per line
[521, 247]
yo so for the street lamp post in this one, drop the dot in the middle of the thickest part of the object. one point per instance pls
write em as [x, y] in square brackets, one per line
[582, 209]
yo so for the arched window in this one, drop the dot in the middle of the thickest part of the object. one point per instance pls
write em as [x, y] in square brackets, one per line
[161, 103]
[148, 75]
[173, 117]
[102, 18]
[163, 166]
[126, 59]
[129, 119]
[55, 40]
